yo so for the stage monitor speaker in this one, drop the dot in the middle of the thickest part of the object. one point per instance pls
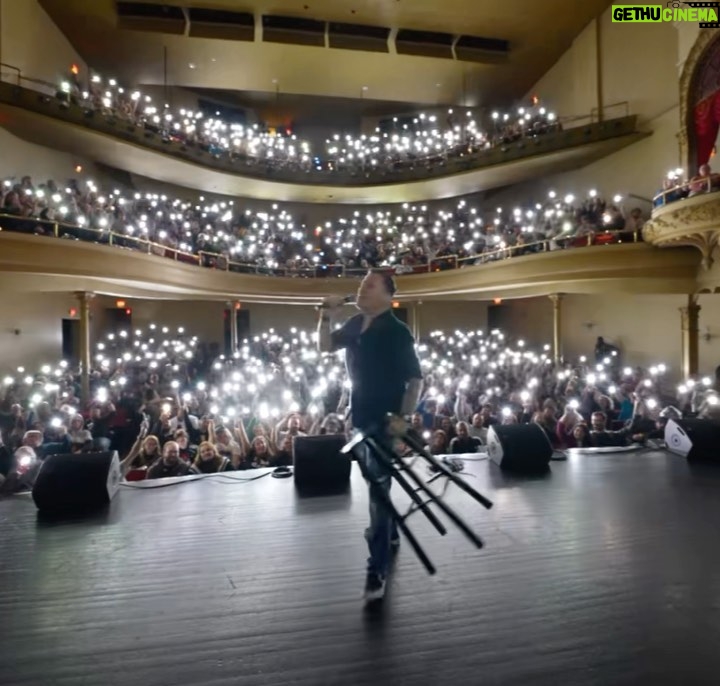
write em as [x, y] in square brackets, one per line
[696, 439]
[521, 448]
[319, 465]
[76, 482]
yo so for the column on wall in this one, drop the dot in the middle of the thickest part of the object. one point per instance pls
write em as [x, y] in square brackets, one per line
[689, 318]
[414, 319]
[233, 307]
[84, 310]
[556, 299]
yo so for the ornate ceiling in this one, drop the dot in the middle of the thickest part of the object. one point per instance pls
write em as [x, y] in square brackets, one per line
[537, 34]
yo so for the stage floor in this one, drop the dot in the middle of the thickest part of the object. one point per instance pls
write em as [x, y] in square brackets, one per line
[605, 572]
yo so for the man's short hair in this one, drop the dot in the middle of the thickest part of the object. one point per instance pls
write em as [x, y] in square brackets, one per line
[387, 280]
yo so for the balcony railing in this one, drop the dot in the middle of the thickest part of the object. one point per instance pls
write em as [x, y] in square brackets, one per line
[33, 96]
[708, 184]
[210, 260]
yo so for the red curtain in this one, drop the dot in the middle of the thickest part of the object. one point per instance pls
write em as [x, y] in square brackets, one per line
[707, 124]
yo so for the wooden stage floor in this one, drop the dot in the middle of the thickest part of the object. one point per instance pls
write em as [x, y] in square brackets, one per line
[605, 572]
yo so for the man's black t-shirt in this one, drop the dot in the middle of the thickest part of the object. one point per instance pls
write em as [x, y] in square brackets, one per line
[380, 361]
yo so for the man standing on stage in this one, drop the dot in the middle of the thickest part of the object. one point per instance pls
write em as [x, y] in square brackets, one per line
[385, 375]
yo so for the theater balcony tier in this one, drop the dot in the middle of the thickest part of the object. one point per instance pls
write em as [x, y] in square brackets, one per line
[693, 221]
[119, 143]
[31, 263]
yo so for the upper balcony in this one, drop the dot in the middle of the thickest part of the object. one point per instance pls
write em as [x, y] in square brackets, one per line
[43, 119]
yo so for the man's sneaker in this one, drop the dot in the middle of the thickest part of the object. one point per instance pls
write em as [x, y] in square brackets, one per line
[374, 587]
[394, 545]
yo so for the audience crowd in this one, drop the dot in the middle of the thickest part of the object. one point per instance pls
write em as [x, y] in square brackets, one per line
[398, 143]
[675, 187]
[222, 234]
[171, 406]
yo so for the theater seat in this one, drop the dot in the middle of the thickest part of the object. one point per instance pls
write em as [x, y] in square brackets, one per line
[604, 238]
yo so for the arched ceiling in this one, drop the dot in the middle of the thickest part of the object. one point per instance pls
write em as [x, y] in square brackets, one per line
[538, 33]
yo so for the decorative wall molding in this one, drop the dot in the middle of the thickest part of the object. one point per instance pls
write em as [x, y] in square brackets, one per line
[691, 222]
[40, 264]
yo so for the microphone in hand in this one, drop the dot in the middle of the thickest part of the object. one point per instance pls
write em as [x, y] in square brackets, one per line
[334, 301]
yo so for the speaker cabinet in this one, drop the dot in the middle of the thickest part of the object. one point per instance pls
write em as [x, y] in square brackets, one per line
[319, 465]
[78, 482]
[520, 448]
[696, 439]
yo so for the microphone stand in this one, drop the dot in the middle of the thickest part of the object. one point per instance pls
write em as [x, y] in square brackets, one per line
[376, 442]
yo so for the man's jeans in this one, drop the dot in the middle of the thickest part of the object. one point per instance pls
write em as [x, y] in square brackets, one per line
[382, 527]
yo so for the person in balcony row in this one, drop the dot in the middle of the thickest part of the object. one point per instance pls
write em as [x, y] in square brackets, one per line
[703, 182]
[207, 237]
